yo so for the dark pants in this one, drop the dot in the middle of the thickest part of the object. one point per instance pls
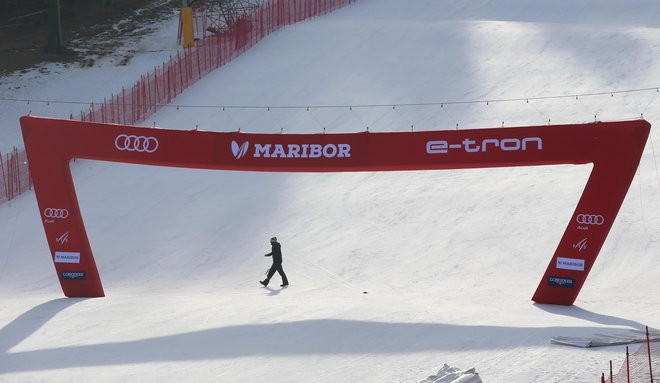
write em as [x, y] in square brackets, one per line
[277, 267]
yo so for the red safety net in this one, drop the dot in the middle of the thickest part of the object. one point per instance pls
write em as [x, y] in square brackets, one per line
[165, 82]
[14, 174]
[643, 366]
[159, 87]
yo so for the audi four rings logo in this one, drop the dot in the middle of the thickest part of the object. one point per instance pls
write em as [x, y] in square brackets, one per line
[590, 219]
[133, 143]
[56, 213]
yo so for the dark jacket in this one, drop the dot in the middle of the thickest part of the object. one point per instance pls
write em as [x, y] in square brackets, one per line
[276, 253]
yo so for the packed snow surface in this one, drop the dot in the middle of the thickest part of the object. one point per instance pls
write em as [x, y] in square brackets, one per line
[392, 274]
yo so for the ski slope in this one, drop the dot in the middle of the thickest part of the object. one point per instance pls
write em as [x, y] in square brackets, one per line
[392, 274]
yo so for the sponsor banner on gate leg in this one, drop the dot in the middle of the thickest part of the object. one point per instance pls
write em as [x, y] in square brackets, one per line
[53, 214]
[67, 257]
[586, 221]
[73, 275]
[580, 245]
[561, 282]
[570, 264]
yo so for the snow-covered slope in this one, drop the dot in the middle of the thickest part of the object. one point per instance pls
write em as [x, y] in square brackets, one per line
[392, 274]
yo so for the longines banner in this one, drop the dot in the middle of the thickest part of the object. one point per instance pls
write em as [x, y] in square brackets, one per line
[614, 148]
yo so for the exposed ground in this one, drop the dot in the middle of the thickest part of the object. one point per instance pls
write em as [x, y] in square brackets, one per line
[90, 30]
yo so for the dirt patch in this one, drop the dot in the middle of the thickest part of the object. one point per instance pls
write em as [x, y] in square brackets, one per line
[91, 30]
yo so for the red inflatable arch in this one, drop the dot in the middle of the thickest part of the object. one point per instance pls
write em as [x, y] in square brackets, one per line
[614, 148]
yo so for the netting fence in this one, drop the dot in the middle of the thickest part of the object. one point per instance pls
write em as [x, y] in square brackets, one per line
[639, 367]
[158, 87]
[14, 174]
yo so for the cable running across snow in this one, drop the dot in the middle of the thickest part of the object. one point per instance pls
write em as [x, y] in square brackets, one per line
[343, 106]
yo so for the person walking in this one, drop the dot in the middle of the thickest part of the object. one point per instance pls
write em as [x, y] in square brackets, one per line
[276, 253]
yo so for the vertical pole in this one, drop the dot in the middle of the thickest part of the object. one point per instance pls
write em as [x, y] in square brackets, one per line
[199, 69]
[9, 181]
[123, 104]
[611, 373]
[149, 94]
[187, 55]
[189, 66]
[136, 105]
[602, 378]
[132, 105]
[143, 99]
[180, 67]
[10, 166]
[146, 85]
[627, 364]
[13, 175]
[54, 27]
[169, 83]
[208, 49]
[648, 348]
[12, 181]
[4, 180]
[157, 98]
[139, 97]
[18, 170]
[223, 48]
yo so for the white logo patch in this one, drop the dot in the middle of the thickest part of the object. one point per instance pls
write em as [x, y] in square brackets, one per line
[570, 264]
[67, 257]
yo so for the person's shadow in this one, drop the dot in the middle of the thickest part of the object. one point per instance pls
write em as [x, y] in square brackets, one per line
[272, 292]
